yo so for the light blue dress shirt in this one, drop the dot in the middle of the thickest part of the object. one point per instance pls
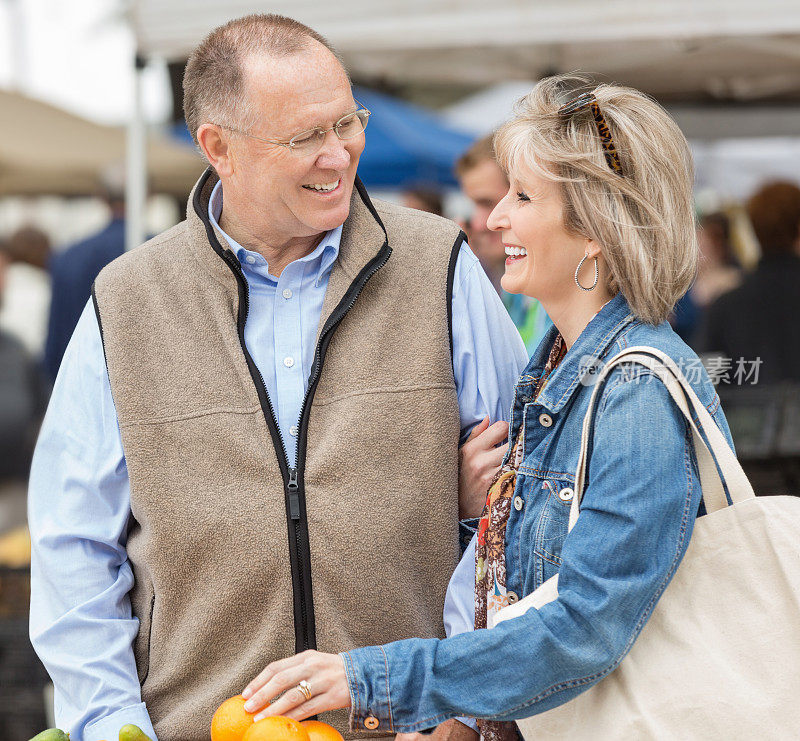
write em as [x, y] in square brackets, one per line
[79, 498]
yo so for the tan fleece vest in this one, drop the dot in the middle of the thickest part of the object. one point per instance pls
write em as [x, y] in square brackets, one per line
[209, 543]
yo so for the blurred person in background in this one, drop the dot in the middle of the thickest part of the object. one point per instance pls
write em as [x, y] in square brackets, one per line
[294, 359]
[485, 184]
[718, 270]
[27, 291]
[424, 199]
[74, 270]
[757, 322]
[23, 397]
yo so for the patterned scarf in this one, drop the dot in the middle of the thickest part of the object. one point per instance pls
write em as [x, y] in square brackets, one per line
[490, 557]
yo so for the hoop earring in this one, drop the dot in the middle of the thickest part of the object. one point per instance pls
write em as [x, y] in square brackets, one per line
[596, 275]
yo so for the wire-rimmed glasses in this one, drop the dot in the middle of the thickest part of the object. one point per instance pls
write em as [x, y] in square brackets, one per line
[310, 141]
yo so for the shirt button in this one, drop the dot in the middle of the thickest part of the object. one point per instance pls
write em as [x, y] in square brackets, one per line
[512, 597]
[293, 430]
[288, 362]
[566, 494]
[287, 293]
[372, 722]
[518, 503]
[250, 259]
[545, 420]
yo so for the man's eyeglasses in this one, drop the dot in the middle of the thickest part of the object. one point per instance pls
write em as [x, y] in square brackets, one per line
[587, 100]
[310, 141]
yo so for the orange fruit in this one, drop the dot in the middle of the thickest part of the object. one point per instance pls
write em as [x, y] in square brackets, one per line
[276, 728]
[319, 731]
[230, 721]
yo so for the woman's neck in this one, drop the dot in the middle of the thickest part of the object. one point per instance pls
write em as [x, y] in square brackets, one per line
[572, 314]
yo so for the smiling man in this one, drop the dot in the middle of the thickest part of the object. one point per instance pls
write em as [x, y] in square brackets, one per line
[252, 448]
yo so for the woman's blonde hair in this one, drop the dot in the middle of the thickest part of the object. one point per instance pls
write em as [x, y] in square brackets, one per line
[644, 219]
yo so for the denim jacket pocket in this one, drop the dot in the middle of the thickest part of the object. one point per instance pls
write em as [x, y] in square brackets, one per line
[552, 526]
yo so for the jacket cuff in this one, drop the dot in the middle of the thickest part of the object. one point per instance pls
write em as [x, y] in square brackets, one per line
[367, 672]
[466, 529]
[108, 726]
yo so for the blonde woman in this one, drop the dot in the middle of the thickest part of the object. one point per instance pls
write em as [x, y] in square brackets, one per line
[598, 226]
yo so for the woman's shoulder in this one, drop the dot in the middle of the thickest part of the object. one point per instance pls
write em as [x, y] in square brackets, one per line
[661, 337]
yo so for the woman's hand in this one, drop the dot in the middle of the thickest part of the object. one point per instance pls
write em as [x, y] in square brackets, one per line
[326, 679]
[478, 462]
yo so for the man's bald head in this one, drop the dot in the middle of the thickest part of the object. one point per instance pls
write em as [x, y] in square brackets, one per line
[215, 81]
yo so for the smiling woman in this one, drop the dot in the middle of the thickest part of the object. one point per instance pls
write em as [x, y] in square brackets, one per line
[598, 225]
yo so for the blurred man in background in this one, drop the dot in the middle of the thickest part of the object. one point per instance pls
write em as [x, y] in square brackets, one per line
[23, 397]
[73, 271]
[758, 320]
[424, 199]
[27, 289]
[485, 184]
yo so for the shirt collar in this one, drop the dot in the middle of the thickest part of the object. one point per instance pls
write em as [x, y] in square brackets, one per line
[324, 254]
[582, 357]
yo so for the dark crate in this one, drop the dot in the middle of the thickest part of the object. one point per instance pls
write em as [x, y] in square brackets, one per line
[15, 592]
[21, 713]
[22, 678]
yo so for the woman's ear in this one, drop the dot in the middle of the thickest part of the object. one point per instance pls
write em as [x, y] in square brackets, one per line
[593, 249]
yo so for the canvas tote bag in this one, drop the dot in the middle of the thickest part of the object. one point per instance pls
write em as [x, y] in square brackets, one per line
[720, 656]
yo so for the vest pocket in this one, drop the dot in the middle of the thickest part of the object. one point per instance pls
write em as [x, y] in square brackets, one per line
[142, 642]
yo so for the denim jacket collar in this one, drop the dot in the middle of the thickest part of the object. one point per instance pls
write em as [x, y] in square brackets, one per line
[592, 343]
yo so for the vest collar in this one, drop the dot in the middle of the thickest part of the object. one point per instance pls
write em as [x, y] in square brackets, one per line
[363, 235]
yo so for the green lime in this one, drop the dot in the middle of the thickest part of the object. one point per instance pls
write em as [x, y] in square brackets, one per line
[132, 733]
[51, 734]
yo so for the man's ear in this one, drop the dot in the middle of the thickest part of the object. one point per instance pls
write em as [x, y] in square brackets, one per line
[214, 143]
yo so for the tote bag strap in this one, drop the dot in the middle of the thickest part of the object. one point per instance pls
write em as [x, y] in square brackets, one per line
[666, 370]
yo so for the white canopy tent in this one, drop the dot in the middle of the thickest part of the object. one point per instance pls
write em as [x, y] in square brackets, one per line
[732, 50]
[723, 48]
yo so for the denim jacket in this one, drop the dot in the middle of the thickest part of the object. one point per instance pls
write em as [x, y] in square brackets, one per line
[639, 506]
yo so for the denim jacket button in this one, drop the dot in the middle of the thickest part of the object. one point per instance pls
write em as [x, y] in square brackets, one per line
[545, 420]
[372, 722]
[519, 503]
[512, 597]
[566, 494]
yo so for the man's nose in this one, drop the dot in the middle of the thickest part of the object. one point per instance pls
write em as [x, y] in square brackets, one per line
[334, 154]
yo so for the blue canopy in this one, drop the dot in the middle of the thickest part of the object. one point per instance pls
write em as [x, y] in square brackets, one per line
[407, 145]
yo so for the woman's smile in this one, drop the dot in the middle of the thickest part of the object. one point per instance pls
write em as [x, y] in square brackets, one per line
[515, 253]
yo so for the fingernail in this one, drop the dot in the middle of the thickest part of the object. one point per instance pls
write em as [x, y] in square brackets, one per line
[258, 717]
[247, 693]
[249, 706]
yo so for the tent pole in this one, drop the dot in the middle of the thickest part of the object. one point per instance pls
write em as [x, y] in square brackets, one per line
[136, 170]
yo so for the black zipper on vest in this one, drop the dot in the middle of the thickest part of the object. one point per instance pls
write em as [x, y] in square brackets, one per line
[294, 488]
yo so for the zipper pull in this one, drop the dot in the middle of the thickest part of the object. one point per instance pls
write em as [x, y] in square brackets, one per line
[294, 496]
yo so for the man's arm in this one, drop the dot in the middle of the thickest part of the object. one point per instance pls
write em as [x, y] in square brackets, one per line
[488, 352]
[488, 356]
[78, 509]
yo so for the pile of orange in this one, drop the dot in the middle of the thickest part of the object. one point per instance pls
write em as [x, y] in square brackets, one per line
[232, 723]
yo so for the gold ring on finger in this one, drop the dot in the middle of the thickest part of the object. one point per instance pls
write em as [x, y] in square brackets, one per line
[305, 689]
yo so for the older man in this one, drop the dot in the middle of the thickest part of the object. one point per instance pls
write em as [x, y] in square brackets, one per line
[252, 448]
